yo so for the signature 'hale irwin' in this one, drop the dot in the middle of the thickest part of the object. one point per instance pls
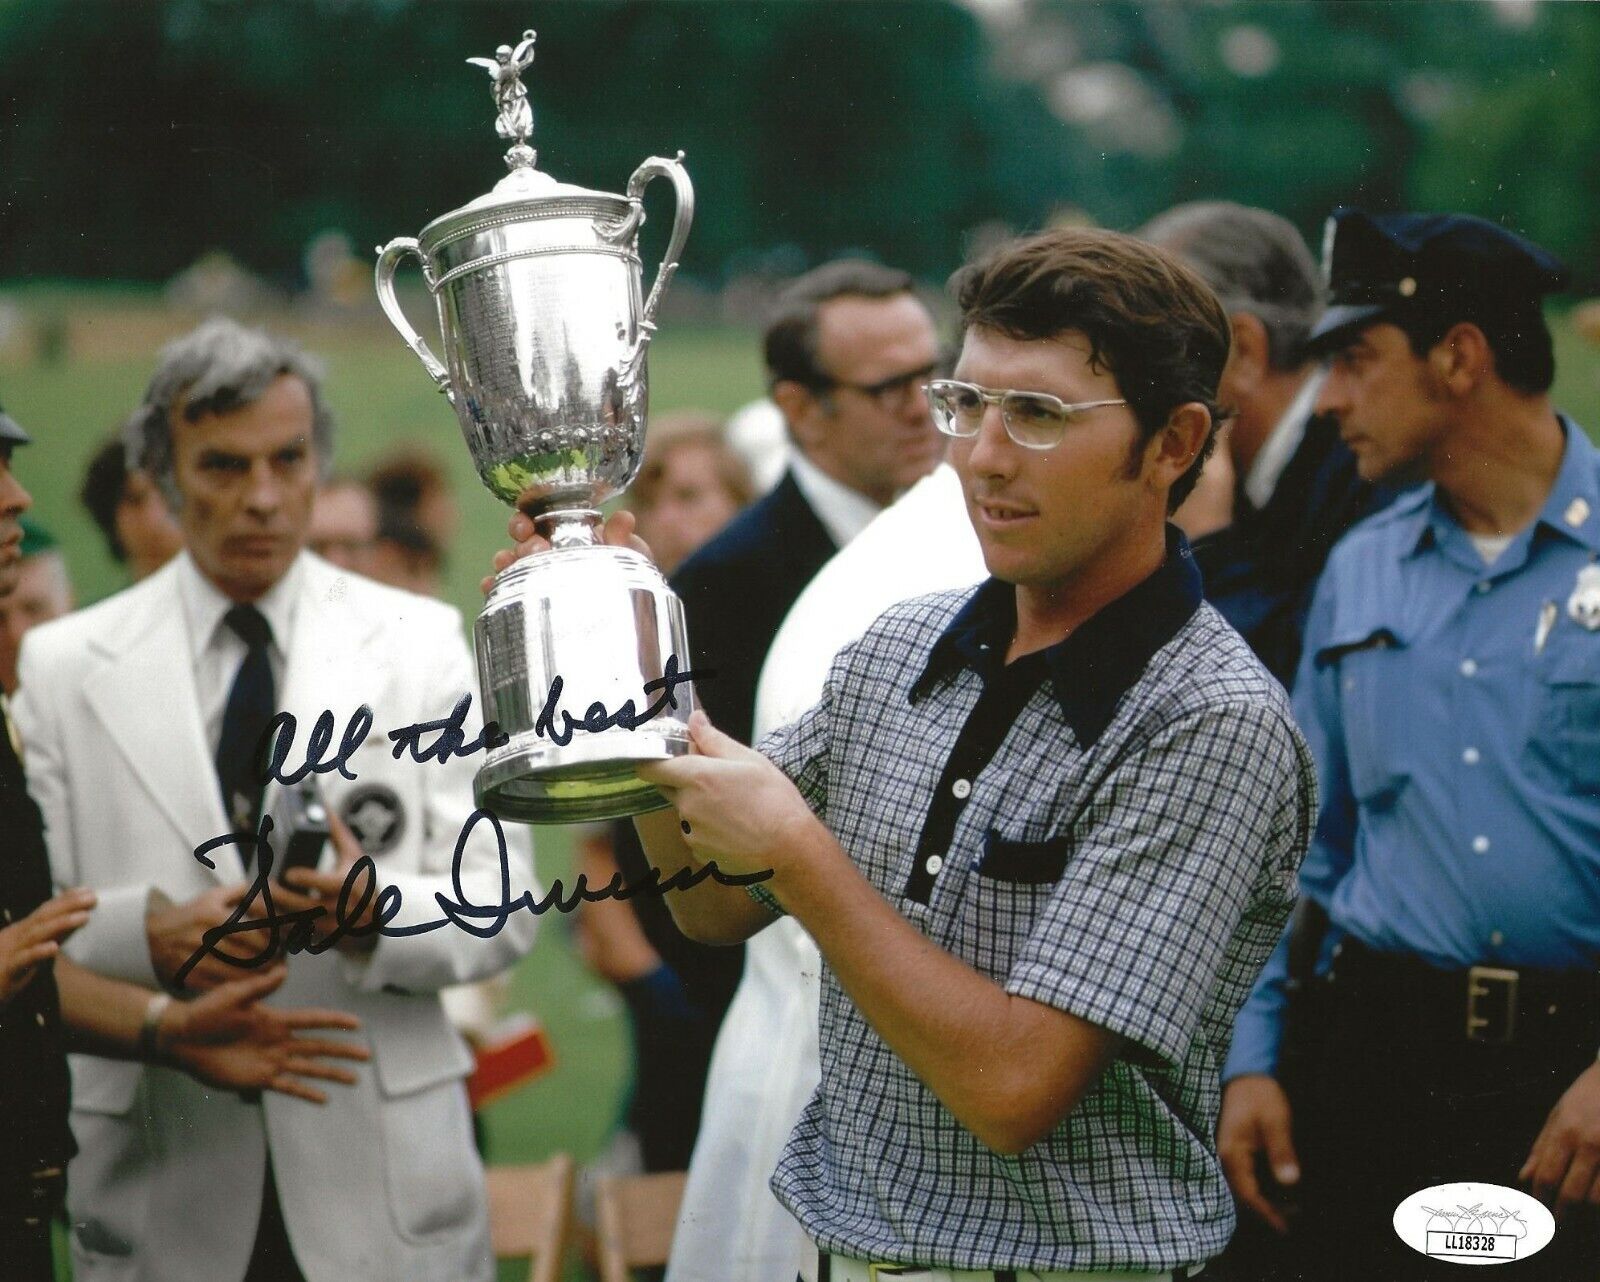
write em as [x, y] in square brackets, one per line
[316, 929]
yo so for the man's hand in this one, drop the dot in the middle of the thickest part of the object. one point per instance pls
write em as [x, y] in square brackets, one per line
[177, 931]
[1565, 1158]
[1255, 1124]
[305, 889]
[27, 946]
[229, 1039]
[617, 532]
[739, 809]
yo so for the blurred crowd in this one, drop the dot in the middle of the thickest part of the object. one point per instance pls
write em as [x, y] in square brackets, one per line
[1443, 661]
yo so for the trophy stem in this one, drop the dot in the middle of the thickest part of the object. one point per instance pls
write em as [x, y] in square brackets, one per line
[571, 527]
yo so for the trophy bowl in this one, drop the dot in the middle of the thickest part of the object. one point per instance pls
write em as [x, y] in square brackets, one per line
[545, 326]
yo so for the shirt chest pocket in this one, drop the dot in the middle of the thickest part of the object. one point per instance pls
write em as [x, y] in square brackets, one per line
[1565, 735]
[1374, 676]
[1010, 885]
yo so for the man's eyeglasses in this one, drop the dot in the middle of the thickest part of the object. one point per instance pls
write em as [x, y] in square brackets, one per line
[1034, 420]
[895, 392]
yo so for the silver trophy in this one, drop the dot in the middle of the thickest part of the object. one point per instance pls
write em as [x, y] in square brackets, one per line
[581, 649]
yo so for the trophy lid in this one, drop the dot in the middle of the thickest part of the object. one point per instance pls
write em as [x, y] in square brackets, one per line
[525, 184]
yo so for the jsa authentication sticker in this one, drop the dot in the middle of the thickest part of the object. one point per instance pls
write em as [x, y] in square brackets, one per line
[1474, 1223]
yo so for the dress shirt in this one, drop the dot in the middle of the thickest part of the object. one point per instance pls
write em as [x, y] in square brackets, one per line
[1454, 711]
[844, 512]
[218, 649]
[1137, 883]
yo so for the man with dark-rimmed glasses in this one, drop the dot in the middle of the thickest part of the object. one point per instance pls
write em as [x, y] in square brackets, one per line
[1044, 832]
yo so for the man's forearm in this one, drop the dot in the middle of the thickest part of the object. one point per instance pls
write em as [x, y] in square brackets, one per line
[100, 1016]
[1007, 1068]
[709, 912]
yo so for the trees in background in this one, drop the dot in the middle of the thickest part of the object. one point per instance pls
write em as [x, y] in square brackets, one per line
[136, 137]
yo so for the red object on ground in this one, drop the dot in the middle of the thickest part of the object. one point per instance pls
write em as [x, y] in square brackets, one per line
[515, 1053]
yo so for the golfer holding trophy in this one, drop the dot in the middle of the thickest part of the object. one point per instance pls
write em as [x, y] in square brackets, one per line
[581, 648]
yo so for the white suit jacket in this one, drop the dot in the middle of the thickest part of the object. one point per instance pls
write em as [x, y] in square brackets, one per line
[764, 1067]
[382, 1182]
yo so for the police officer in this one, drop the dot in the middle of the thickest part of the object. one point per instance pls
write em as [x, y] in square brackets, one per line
[1441, 1022]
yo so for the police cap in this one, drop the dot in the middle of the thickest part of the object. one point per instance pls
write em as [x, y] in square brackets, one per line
[1390, 265]
[10, 433]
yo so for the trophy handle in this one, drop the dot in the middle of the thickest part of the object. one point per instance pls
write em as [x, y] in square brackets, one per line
[389, 257]
[661, 167]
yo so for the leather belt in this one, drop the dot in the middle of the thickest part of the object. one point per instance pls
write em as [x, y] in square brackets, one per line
[1493, 1005]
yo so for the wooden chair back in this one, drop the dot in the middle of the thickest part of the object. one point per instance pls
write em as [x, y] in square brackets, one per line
[635, 1217]
[530, 1213]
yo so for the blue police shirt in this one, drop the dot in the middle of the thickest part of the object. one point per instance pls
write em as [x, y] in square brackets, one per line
[1454, 712]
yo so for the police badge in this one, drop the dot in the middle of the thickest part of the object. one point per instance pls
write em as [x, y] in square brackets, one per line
[1583, 606]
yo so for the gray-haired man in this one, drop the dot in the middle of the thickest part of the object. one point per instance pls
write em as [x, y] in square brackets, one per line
[142, 716]
[1294, 489]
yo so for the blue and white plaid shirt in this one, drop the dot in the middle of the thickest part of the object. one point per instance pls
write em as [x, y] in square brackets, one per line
[1111, 827]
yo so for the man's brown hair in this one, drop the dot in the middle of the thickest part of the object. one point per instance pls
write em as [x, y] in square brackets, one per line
[1150, 321]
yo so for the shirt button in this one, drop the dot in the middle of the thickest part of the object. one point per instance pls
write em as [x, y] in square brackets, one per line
[1497, 939]
[933, 865]
[1469, 667]
[961, 789]
[38, 1018]
[1470, 756]
[1484, 586]
[6, 913]
[1480, 844]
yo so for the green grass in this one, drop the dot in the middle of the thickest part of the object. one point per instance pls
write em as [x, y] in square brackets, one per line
[378, 391]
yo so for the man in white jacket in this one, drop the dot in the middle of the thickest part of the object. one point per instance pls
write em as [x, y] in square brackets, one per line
[144, 718]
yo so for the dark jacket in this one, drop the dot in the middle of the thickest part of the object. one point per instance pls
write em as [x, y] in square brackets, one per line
[33, 1106]
[1260, 571]
[736, 591]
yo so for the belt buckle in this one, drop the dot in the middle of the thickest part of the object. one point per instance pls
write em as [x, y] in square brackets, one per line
[1484, 982]
[890, 1271]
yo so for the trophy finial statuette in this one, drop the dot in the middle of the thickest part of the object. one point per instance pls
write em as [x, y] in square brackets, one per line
[514, 116]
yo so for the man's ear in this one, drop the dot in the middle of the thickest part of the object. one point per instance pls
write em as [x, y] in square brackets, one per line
[801, 409]
[1173, 450]
[1462, 359]
[1250, 357]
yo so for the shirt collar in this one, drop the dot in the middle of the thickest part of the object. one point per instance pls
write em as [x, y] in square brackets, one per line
[844, 512]
[1571, 509]
[204, 605]
[1091, 669]
[1282, 442]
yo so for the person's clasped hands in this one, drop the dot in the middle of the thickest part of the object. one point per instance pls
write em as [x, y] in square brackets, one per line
[177, 931]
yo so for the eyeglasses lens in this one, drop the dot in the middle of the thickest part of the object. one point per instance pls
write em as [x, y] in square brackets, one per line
[1032, 420]
[957, 408]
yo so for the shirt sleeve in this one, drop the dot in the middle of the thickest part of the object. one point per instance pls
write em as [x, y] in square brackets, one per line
[1258, 1032]
[1193, 840]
